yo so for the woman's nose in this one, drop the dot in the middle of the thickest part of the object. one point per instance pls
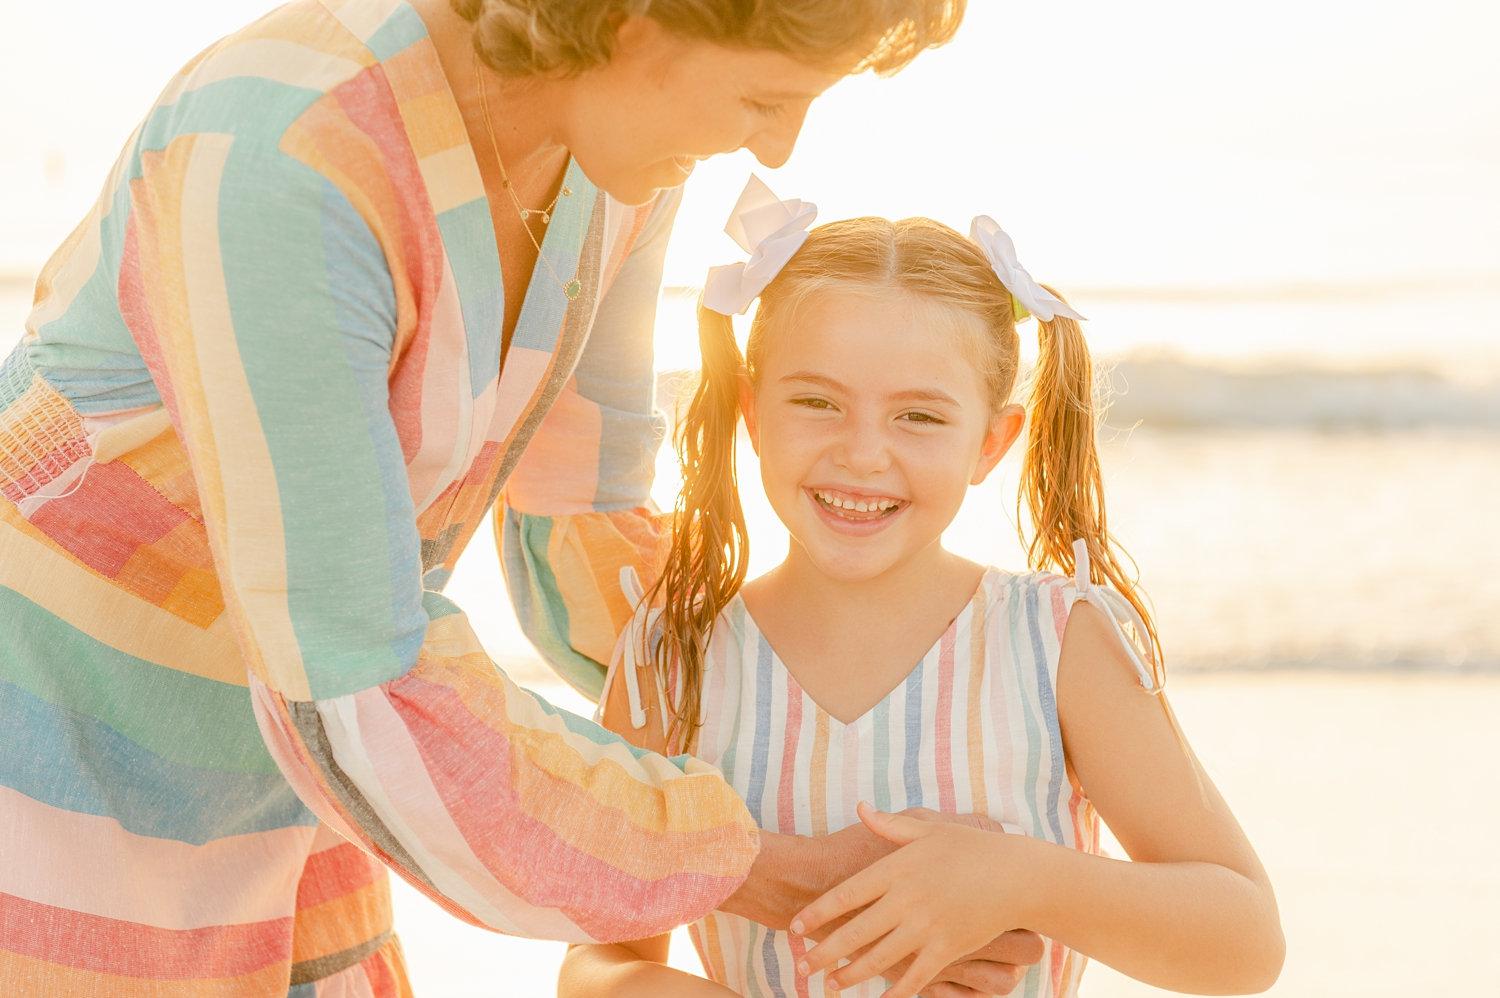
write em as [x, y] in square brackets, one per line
[773, 145]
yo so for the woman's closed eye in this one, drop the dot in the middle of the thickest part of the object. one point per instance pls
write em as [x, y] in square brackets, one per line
[764, 109]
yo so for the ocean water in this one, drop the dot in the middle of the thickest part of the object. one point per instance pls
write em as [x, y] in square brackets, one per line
[1284, 512]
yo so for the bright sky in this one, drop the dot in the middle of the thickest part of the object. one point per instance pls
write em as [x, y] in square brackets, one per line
[1155, 144]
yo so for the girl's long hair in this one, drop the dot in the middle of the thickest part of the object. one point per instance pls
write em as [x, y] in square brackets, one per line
[1061, 485]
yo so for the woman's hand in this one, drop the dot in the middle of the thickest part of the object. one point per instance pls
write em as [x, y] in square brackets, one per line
[947, 891]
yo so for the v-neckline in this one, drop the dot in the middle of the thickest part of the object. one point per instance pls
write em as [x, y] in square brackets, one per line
[981, 593]
[540, 278]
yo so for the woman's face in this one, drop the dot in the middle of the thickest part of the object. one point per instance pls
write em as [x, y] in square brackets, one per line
[641, 122]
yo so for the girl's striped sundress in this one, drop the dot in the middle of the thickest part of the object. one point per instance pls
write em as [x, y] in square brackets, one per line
[972, 729]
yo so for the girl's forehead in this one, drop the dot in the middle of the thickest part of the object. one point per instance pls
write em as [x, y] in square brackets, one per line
[853, 319]
[884, 342]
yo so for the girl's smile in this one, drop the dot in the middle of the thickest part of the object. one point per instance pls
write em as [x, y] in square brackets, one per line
[855, 516]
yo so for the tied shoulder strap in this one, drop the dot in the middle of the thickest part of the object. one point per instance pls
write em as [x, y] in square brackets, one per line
[626, 658]
[1116, 608]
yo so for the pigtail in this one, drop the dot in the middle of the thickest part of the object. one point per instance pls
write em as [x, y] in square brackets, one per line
[1061, 482]
[707, 559]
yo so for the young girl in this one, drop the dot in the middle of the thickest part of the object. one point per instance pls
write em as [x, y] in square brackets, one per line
[873, 671]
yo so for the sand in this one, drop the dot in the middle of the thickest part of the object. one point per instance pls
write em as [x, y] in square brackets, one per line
[1371, 799]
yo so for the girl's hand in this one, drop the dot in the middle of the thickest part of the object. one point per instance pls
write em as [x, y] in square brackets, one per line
[997, 968]
[943, 894]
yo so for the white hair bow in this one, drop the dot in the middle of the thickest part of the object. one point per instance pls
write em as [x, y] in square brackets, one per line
[767, 228]
[1027, 293]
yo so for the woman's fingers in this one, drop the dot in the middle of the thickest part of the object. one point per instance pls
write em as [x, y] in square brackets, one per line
[948, 989]
[917, 975]
[1017, 947]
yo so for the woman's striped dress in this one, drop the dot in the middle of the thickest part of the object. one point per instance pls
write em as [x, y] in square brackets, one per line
[258, 411]
[973, 728]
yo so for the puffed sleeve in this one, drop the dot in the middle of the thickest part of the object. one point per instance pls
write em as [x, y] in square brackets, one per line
[264, 303]
[578, 507]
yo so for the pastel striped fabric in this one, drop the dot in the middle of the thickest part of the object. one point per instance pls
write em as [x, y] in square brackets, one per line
[258, 411]
[972, 729]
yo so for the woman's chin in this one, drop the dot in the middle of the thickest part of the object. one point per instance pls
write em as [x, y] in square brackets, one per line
[642, 187]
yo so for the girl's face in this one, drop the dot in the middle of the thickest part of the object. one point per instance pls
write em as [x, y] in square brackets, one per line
[871, 422]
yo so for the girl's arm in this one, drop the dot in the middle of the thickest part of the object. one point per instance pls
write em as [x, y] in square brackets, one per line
[1193, 911]
[620, 970]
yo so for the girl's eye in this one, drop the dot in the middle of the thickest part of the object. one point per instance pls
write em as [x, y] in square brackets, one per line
[812, 403]
[921, 417]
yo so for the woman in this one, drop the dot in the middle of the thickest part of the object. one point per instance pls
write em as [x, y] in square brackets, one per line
[366, 267]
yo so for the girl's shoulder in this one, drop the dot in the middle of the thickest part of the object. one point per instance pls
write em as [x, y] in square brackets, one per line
[1042, 602]
[1001, 586]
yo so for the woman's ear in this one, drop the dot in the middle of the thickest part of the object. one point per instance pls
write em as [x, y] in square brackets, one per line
[747, 407]
[1005, 428]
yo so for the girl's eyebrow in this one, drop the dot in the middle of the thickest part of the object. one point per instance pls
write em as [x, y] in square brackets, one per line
[909, 395]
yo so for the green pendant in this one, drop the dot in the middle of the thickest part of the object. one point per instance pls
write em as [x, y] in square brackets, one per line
[573, 289]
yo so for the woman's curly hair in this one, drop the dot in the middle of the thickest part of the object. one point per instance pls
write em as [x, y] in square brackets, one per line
[566, 37]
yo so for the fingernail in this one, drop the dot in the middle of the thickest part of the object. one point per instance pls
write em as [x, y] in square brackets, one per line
[803, 969]
[797, 926]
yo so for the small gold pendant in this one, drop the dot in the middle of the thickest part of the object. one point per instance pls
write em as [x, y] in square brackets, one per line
[573, 289]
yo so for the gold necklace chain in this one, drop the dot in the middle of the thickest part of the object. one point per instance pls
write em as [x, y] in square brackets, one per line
[572, 288]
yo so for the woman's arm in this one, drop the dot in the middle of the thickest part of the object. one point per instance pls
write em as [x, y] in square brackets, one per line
[636, 968]
[268, 304]
[1193, 910]
[577, 508]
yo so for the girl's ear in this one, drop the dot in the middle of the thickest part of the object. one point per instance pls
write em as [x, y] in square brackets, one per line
[747, 407]
[1005, 428]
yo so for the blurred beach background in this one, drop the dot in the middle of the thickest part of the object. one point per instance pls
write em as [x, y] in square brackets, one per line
[1283, 221]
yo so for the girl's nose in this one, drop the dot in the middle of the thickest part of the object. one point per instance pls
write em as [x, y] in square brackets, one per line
[863, 449]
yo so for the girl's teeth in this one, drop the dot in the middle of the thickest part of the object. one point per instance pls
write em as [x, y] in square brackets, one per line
[857, 505]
